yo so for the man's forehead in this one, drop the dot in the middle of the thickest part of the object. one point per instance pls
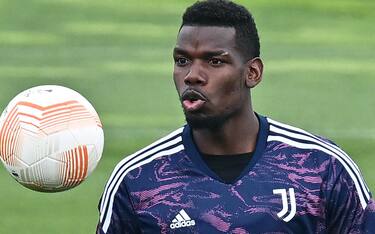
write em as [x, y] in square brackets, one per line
[214, 36]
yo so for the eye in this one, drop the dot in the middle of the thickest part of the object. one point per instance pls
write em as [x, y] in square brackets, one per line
[181, 61]
[215, 61]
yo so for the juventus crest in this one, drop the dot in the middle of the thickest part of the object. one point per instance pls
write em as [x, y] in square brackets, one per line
[289, 204]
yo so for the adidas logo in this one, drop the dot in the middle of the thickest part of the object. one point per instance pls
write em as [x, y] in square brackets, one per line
[182, 219]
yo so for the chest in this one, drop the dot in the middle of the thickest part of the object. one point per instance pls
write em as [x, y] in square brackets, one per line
[264, 200]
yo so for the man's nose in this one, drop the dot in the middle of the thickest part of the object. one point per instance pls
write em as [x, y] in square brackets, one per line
[195, 75]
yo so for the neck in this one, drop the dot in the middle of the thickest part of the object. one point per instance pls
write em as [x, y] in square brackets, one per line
[237, 135]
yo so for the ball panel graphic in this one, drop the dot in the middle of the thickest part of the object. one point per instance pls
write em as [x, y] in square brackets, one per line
[51, 138]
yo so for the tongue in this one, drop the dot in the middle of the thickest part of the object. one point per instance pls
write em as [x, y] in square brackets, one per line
[190, 105]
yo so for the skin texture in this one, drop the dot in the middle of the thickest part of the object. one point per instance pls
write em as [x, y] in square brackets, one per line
[208, 63]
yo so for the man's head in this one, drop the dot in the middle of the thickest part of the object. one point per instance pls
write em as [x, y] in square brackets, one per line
[224, 13]
[215, 66]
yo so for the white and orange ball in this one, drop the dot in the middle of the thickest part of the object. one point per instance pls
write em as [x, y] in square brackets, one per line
[51, 138]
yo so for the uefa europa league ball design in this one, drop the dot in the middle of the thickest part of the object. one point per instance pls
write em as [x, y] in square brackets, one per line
[51, 138]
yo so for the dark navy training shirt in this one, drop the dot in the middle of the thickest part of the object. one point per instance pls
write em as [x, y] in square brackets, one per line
[295, 182]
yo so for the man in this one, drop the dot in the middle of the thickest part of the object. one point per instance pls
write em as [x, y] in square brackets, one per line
[230, 170]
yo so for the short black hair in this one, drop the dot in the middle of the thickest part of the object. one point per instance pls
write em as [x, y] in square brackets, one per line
[227, 14]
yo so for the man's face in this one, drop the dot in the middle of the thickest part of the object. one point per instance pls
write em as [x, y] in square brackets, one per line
[209, 74]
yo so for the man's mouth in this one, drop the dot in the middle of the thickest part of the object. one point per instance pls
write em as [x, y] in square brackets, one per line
[192, 100]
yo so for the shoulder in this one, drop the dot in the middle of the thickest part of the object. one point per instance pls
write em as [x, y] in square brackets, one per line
[301, 139]
[304, 140]
[340, 167]
[167, 145]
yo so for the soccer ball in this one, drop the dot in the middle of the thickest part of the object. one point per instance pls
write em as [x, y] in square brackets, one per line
[51, 138]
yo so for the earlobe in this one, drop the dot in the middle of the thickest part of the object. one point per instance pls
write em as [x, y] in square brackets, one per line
[254, 72]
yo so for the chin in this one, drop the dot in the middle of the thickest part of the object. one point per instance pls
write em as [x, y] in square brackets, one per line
[206, 122]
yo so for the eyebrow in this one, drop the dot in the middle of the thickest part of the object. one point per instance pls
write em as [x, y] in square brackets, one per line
[205, 54]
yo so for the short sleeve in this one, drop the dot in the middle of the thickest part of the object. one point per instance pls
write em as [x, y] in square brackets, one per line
[347, 199]
[117, 215]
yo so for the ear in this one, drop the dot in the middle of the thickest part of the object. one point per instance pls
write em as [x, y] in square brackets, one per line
[254, 72]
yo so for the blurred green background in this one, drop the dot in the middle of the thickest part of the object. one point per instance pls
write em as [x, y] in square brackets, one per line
[319, 75]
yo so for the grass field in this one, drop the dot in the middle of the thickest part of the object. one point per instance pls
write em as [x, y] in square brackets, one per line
[319, 75]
